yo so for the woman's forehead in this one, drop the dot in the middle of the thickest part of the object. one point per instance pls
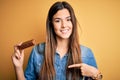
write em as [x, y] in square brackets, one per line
[63, 13]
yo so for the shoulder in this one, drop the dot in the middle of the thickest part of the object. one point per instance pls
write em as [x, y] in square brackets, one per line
[39, 48]
[37, 52]
[86, 51]
[87, 56]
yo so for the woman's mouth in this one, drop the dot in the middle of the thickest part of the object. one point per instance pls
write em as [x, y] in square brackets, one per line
[65, 31]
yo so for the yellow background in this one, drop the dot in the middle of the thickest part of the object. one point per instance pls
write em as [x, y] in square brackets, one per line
[21, 20]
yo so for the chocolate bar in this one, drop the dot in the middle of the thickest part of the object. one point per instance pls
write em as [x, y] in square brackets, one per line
[26, 44]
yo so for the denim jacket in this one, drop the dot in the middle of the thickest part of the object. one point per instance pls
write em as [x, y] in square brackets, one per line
[36, 59]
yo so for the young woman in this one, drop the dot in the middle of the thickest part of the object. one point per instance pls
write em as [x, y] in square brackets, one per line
[61, 57]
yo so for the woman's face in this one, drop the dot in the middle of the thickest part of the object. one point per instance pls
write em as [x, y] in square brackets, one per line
[62, 24]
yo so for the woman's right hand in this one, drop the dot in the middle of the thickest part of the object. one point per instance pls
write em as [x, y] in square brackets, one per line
[18, 57]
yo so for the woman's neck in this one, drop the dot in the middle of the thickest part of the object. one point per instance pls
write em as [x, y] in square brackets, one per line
[62, 47]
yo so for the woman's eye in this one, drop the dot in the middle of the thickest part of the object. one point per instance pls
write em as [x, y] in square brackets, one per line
[68, 19]
[57, 20]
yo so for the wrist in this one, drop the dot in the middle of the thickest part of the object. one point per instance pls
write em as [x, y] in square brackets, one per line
[18, 68]
[97, 76]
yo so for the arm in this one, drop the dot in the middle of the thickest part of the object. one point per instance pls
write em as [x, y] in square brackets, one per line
[89, 66]
[17, 59]
[88, 71]
[19, 73]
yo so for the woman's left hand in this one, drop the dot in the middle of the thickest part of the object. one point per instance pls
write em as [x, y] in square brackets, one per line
[86, 70]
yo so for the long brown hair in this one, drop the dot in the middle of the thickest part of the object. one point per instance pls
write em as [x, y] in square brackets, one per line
[74, 53]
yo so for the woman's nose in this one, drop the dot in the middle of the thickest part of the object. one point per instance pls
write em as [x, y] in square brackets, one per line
[64, 24]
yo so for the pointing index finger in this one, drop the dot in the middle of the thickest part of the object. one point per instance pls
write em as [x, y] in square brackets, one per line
[74, 65]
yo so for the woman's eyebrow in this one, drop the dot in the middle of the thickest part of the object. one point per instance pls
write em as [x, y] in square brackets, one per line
[68, 17]
[56, 18]
[61, 18]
